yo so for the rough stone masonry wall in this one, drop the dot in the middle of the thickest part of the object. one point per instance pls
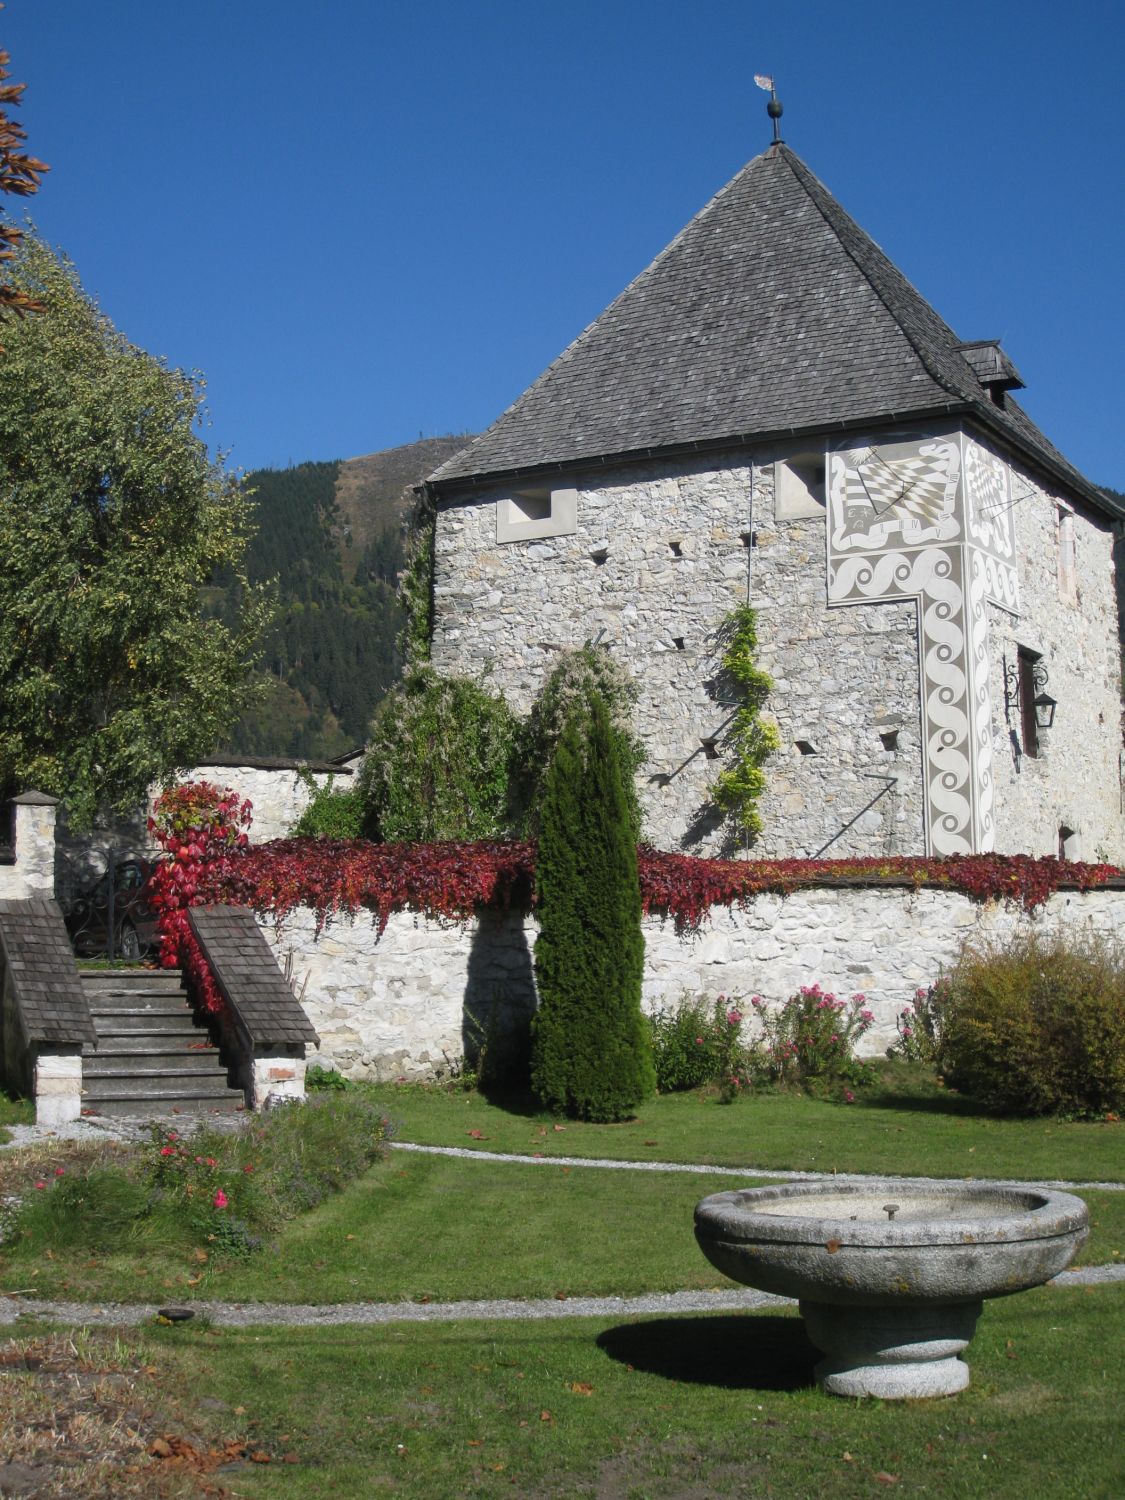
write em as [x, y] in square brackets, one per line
[1076, 780]
[676, 560]
[410, 1003]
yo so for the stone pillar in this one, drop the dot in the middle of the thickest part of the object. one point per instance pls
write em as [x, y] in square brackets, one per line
[274, 1078]
[57, 1087]
[34, 835]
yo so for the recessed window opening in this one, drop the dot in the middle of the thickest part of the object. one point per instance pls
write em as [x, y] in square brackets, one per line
[678, 642]
[1029, 728]
[536, 512]
[806, 747]
[889, 738]
[710, 748]
[599, 555]
[677, 549]
[1068, 843]
[799, 486]
[531, 505]
[749, 538]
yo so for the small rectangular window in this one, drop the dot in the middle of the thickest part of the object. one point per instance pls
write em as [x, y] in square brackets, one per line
[534, 512]
[799, 486]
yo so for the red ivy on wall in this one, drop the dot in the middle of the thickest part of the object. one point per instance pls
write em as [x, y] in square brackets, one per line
[450, 881]
[197, 826]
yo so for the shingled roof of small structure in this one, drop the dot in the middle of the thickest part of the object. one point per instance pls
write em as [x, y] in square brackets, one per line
[771, 313]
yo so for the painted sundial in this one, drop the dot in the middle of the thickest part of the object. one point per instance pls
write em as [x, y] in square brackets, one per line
[928, 517]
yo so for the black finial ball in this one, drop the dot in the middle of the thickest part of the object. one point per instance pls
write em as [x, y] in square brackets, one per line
[773, 109]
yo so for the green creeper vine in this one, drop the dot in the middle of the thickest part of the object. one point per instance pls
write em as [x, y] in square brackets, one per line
[416, 587]
[754, 739]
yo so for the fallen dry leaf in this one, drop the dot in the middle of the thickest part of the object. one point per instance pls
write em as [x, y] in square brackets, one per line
[477, 1135]
[884, 1478]
[580, 1388]
[545, 1416]
[832, 1246]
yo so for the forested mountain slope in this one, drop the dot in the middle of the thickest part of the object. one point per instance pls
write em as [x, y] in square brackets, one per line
[332, 535]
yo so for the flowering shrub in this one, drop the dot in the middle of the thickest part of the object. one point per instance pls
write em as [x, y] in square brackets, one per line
[811, 1038]
[696, 1042]
[220, 1190]
[919, 1025]
[189, 1187]
[449, 881]
[197, 826]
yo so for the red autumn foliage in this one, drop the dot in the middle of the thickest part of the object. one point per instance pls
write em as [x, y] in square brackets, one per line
[450, 881]
[197, 826]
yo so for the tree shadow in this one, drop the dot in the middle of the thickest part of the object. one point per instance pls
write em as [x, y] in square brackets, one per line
[937, 1104]
[744, 1351]
[498, 1006]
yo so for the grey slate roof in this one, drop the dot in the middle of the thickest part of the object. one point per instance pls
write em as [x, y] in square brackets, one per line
[40, 963]
[772, 312]
[247, 974]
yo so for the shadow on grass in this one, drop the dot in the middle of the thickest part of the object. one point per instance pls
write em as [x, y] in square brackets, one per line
[743, 1352]
[930, 1104]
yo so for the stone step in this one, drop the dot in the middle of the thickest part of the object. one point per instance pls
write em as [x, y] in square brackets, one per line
[128, 1009]
[189, 1041]
[176, 1081]
[141, 1018]
[151, 1103]
[152, 1064]
[163, 980]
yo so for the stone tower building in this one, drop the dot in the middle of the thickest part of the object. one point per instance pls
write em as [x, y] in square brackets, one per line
[771, 412]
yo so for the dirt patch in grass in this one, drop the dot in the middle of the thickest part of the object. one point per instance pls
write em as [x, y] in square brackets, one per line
[81, 1414]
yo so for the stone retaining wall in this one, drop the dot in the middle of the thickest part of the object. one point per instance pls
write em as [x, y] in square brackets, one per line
[412, 1002]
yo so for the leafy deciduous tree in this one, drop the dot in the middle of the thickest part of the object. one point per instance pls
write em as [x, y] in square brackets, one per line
[112, 516]
[19, 174]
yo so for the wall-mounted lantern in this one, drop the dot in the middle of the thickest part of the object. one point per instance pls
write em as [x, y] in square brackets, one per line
[1025, 692]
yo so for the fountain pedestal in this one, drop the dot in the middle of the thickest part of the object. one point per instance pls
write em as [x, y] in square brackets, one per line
[890, 1291]
[891, 1352]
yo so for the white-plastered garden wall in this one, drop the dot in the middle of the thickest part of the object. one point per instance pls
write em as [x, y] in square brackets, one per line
[394, 1006]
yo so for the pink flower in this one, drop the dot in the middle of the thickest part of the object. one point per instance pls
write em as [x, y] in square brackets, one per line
[849, 1097]
[734, 1017]
[755, 1001]
[167, 1150]
[40, 1186]
[60, 1171]
[249, 1167]
[699, 1041]
[220, 1199]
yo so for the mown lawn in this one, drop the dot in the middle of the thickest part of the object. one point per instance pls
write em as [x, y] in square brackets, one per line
[901, 1125]
[642, 1409]
[418, 1227]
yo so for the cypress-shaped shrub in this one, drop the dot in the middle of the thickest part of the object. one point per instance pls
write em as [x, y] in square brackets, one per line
[575, 675]
[591, 1050]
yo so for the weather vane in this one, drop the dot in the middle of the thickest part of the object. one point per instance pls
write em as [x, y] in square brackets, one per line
[773, 108]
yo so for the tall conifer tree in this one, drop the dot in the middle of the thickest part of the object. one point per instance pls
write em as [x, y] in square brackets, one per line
[591, 1055]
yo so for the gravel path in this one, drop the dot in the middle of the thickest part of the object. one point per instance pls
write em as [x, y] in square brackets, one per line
[14, 1306]
[369, 1314]
[606, 1164]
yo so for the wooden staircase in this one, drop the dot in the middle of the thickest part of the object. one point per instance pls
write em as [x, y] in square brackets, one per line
[151, 1058]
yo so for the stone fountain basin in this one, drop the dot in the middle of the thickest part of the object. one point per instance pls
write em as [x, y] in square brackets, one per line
[835, 1242]
[891, 1276]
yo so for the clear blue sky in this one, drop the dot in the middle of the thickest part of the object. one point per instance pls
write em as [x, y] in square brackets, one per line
[364, 220]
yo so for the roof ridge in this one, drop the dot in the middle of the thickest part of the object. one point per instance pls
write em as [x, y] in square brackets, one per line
[563, 358]
[805, 177]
